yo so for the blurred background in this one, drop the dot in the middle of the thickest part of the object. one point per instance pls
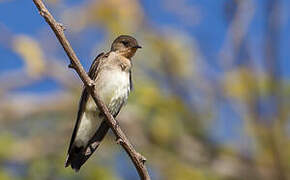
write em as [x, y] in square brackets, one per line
[211, 88]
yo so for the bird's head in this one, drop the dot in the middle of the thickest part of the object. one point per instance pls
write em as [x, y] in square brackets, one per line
[125, 45]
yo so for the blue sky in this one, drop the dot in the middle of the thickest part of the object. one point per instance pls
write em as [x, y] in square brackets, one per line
[209, 33]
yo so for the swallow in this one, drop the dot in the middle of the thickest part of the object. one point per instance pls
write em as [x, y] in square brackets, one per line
[113, 82]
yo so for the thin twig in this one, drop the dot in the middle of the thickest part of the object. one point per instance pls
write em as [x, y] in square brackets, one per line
[58, 29]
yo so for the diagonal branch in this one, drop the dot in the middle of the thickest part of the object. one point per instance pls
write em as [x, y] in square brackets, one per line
[58, 29]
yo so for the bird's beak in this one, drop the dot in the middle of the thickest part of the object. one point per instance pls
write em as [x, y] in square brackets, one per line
[137, 47]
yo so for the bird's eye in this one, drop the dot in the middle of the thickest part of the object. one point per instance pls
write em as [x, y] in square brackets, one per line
[125, 43]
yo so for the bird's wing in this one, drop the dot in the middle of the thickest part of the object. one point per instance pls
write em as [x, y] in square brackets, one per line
[84, 97]
[95, 141]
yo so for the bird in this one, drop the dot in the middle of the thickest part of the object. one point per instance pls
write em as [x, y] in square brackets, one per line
[112, 75]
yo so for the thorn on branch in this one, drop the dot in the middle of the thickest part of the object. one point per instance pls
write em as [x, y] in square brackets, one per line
[92, 83]
[61, 26]
[117, 125]
[42, 13]
[119, 141]
[141, 158]
[71, 66]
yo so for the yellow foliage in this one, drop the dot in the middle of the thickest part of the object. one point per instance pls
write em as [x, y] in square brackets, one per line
[6, 142]
[39, 169]
[185, 172]
[148, 91]
[243, 83]
[117, 15]
[181, 56]
[31, 53]
[4, 175]
[99, 172]
[161, 129]
[239, 84]
[171, 52]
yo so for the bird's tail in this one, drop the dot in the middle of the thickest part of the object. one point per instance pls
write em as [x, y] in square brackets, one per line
[79, 155]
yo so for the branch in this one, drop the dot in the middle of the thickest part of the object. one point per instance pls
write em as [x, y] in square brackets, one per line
[58, 29]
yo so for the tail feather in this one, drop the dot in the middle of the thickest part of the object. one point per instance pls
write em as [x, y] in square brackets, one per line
[79, 155]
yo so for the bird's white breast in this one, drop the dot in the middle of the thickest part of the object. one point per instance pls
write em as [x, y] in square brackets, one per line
[113, 84]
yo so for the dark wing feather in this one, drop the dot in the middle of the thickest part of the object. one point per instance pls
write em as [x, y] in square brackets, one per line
[93, 69]
[84, 97]
[80, 158]
[93, 143]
